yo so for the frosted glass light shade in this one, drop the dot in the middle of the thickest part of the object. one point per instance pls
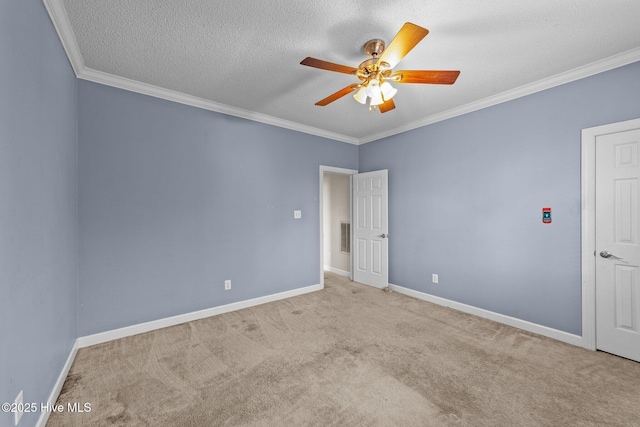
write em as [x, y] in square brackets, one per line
[374, 92]
[376, 96]
[361, 95]
[388, 91]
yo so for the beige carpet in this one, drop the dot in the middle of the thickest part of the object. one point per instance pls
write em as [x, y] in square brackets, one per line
[349, 355]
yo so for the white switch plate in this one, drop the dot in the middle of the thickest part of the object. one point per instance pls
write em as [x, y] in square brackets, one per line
[297, 214]
[434, 278]
[227, 285]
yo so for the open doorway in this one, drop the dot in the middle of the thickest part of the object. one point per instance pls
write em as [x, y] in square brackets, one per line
[335, 221]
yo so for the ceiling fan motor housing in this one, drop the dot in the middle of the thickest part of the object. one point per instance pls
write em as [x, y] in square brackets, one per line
[372, 68]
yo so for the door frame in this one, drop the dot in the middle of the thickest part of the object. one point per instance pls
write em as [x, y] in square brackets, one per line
[588, 217]
[341, 171]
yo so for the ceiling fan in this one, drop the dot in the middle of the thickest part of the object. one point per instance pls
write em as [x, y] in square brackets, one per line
[376, 72]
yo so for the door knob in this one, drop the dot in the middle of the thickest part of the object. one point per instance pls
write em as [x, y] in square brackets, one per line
[607, 254]
[384, 236]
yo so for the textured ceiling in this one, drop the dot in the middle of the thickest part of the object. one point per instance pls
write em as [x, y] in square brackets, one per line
[243, 57]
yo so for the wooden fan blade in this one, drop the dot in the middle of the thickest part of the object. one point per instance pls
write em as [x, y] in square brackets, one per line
[437, 77]
[325, 65]
[339, 94]
[387, 106]
[406, 39]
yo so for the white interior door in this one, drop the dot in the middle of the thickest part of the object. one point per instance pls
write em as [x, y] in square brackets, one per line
[617, 246]
[370, 231]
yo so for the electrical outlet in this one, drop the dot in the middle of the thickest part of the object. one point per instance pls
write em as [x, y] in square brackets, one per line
[227, 285]
[434, 278]
[297, 214]
[19, 407]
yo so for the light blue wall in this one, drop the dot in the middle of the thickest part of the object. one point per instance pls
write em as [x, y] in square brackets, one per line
[38, 218]
[169, 201]
[173, 200]
[466, 199]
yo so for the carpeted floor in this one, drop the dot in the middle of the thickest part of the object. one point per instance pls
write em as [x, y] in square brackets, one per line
[348, 355]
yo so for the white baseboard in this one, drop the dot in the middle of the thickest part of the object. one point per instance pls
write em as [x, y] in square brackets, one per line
[496, 317]
[127, 331]
[337, 271]
[44, 415]
[90, 340]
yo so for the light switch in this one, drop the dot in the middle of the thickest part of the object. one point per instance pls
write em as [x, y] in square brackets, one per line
[297, 214]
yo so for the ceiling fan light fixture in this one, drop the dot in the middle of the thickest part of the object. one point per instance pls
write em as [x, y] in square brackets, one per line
[388, 91]
[373, 90]
[361, 95]
[376, 95]
[376, 73]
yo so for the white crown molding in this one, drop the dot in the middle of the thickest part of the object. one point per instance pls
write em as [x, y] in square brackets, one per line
[61, 23]
[601, 66]
[65, 32]
[170, 95]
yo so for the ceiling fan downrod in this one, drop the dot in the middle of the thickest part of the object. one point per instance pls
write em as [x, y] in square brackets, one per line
[374, 47]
